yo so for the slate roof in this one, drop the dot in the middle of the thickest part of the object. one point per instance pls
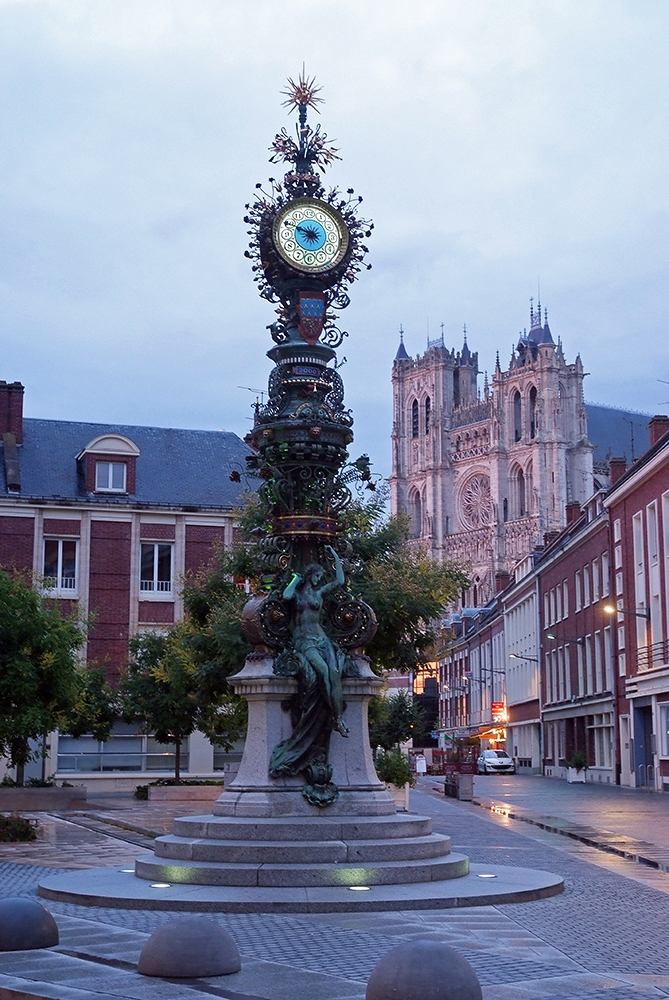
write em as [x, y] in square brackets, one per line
[610, 430]
[177, 468]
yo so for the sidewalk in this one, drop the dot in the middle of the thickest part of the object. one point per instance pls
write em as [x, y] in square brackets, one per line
[570, 947]
[632, 823]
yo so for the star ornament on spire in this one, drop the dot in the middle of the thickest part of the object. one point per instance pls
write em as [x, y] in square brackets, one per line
[302, 94]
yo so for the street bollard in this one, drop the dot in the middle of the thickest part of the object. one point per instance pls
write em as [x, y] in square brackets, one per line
[423, 970]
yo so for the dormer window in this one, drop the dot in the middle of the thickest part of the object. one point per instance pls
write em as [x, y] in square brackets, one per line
[109, 465]
[110, 477]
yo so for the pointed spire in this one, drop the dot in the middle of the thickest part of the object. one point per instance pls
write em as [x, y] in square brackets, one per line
[401, 350]
[466, 354]
[486, 386]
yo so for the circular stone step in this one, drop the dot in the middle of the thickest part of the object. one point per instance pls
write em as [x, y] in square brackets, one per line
[302, 828]
[155, 869]
[301, 852]
[485, 885]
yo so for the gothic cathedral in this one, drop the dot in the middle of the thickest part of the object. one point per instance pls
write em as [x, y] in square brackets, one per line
[485, 476]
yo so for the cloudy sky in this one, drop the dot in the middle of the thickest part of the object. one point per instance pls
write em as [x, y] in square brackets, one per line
[497, 144]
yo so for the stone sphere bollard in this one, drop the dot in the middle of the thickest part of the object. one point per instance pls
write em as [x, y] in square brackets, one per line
[423, 970]
[189, 947]
[25, 924]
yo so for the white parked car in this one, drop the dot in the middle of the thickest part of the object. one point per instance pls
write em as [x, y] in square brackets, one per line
[495, 762]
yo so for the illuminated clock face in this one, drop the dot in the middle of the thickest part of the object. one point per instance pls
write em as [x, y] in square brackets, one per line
[310, 235]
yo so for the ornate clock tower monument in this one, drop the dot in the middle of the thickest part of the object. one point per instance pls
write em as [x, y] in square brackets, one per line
[306, 804]
[306, 818]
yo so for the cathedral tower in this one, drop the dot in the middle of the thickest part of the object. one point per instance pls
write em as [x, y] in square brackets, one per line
[485, 475]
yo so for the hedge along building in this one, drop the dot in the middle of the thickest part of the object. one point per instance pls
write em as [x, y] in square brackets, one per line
[485, 476]
[112, 517]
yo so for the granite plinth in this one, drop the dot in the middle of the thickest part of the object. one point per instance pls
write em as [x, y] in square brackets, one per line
[110, 887]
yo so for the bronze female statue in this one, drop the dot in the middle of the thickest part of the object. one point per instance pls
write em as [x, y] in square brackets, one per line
[320, 665]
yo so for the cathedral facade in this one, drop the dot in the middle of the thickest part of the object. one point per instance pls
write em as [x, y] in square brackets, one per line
[485, 475]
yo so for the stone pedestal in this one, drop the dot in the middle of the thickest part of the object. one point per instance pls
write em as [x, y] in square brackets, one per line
[264, 832]
[254, 793]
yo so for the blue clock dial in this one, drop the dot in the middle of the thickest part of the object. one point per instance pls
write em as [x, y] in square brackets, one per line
[310, 235]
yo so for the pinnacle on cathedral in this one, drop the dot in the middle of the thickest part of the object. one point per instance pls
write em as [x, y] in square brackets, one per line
[401, 350]
[483, 478]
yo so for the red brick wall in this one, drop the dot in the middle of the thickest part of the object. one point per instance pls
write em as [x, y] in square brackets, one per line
[156, 612]
[11, 409]
[648, 490]
[52, 526]
[200, 542]
[16, 543]
[109, 594]
[578, 554]
[156, 532]
[522, 713]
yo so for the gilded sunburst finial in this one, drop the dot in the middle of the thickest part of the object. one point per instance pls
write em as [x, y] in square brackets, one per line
[302, 93]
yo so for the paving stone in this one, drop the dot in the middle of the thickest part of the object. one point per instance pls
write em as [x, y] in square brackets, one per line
[603, 939]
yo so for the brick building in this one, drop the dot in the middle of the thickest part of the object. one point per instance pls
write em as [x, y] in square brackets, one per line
[577, 683]
[638, 513]
[585, 631]
[113, 517]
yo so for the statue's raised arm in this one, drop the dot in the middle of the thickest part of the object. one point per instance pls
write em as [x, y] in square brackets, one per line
[339, 579]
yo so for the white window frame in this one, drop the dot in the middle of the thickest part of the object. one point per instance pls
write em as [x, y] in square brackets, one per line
[595, 581]
[155, 588]
[60, 587]
[663, 713]
[586, 585]
[577, 590]
[605, 574]
[103, 483]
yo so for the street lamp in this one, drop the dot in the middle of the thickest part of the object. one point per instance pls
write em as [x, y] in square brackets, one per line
[517, 656]
[645, 613]
[580, 641]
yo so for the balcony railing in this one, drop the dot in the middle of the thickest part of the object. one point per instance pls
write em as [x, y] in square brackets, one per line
[654, 656]
[161, 586]
[64, 583]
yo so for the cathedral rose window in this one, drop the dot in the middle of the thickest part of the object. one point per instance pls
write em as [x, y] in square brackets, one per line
[476, 503]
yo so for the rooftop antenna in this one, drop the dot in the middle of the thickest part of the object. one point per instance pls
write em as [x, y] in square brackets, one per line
[631, 423]
[260, 392]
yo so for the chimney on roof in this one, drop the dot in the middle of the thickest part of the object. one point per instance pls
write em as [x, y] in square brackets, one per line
[549, 537]
[572, 511]
[617, 469]
[502, 581]
[11, 410]
[658, 427]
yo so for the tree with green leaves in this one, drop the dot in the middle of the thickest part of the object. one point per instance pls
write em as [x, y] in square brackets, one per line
[394, 720]
[41, 680]
[407, 589]
[177, 683]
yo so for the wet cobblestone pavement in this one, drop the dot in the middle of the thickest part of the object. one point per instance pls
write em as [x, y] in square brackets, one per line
[604, 938]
